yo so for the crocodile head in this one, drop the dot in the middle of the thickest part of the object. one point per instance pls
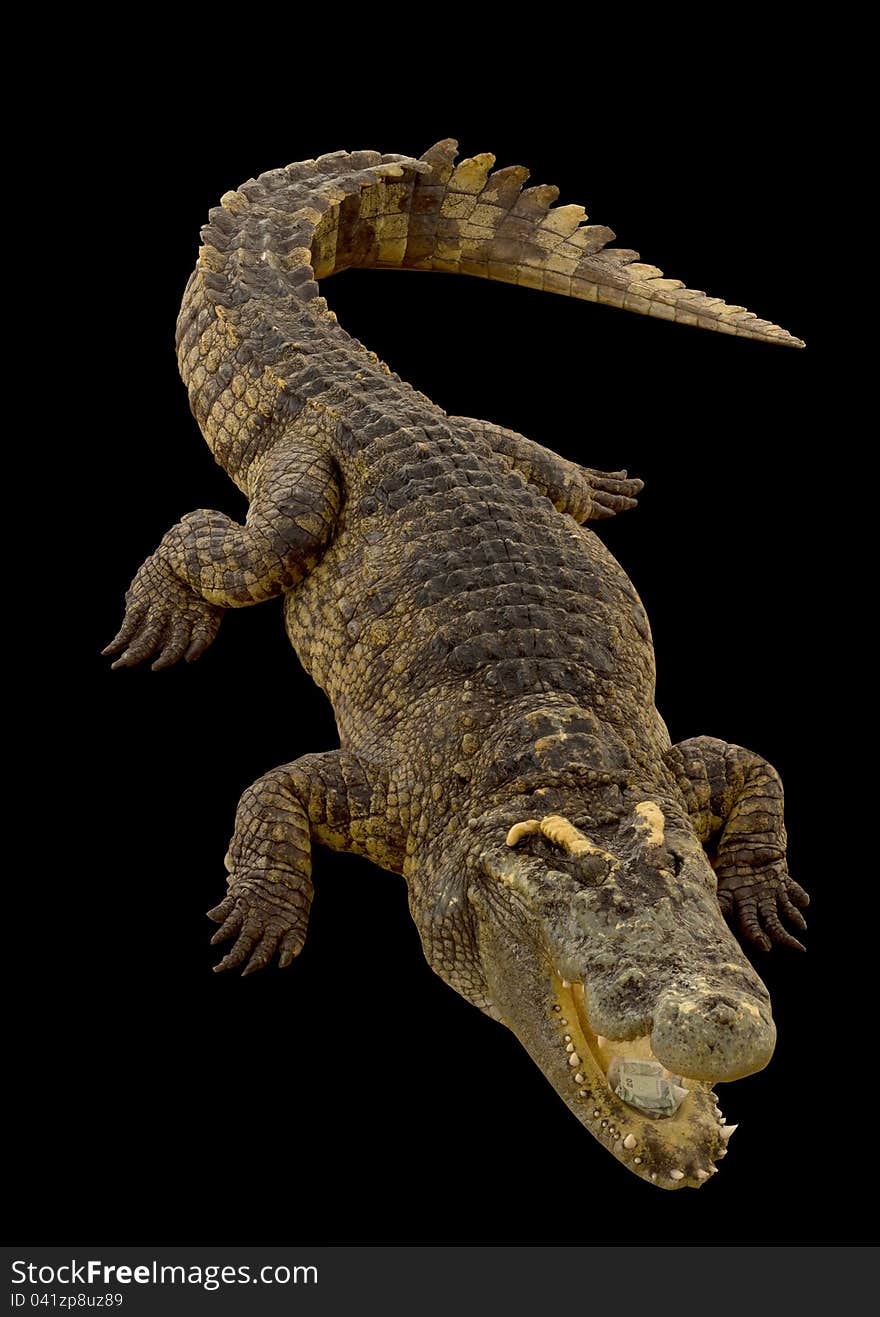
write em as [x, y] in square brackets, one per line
[605, 951]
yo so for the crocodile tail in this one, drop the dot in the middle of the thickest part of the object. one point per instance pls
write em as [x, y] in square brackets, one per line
[296, 226]
[468, 220]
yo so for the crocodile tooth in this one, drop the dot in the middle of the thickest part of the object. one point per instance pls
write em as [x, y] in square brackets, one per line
[676, 1175]
[629, 1141]
[727, 1130]
[680, 1093]
[600, 1041]
[703, 1175]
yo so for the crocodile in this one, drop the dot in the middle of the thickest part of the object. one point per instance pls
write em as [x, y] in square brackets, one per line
[571, 872]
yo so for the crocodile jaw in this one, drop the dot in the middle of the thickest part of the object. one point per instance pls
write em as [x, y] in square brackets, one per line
[672, 1152]
[550, 1020]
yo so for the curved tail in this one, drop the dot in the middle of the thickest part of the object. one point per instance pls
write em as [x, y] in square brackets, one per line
[291, 227]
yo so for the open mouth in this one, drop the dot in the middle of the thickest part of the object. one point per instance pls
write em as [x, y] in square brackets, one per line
[666, 1128]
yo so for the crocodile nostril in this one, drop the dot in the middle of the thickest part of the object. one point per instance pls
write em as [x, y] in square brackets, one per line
[707, 1036]
[722, 1014]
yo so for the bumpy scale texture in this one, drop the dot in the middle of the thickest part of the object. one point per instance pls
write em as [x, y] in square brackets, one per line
[488, 661]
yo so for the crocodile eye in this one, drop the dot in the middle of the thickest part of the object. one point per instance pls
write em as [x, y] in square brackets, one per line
[678, 861]
[594, 868]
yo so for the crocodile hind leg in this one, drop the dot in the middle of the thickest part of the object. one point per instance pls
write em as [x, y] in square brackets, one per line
[583, 493]
[331, 798]
[207, 562]
[735, 801]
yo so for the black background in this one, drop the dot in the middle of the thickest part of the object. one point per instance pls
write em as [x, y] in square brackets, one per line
[355, 1098]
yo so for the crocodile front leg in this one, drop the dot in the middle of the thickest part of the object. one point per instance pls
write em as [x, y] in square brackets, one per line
[735, 802]
[583, 493]
[331, 798]
[207, 562]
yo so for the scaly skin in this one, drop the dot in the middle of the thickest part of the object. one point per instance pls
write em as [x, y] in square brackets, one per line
[488, 661]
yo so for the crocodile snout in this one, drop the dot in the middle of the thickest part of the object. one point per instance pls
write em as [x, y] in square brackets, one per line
[712, 1035]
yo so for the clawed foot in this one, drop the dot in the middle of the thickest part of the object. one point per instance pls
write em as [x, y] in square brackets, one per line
[163, 616]
[610, 492]
[755, 899]
[264, 923]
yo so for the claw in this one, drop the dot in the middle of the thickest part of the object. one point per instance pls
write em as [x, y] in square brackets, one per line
[261, 956]
[616, 486]
[791, 912]
[143, 645]
[247, 940]
[201, 639]
[611, 492]
[163, 616]
[617, 502]
[125, 632]
[796, 893]
[219, 912]
[288, 949]
[229, 927]
[174, 647]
